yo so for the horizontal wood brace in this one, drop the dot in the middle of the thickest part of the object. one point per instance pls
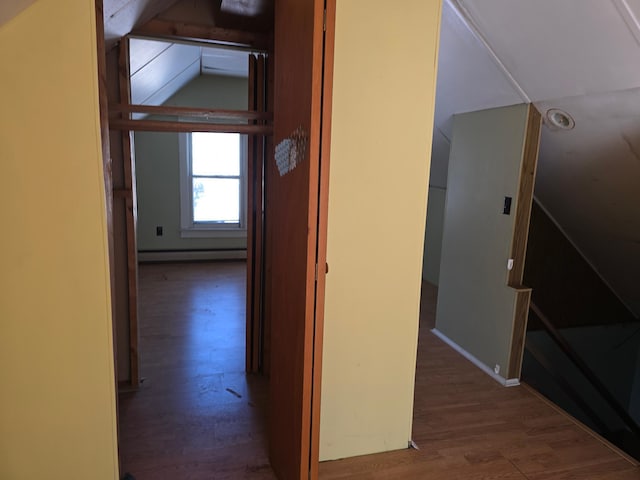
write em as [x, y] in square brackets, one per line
[166, 126]
[207, 113]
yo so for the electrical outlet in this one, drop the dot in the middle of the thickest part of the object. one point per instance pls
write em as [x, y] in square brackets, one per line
[159, 231]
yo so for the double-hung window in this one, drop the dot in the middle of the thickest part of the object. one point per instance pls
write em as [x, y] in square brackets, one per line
[212, 183]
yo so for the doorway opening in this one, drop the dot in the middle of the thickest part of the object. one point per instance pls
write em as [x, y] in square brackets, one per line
[193, 163]
[294, 199]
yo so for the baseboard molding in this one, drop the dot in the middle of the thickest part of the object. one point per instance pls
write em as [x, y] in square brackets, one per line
[191, 255]
[505, 382]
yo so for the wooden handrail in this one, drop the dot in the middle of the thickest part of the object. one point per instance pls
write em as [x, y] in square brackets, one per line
[604, 392]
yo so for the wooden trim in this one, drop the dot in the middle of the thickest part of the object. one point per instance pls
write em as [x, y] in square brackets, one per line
[525, 195]
[323, 211]
[582, 426]
[190, 112]
[266, 294]
[162, 126]
[187, 31]
[130, 216]
[258, 180]
[107, 164]
[250, 345]
[122, 193]
[106, 154]
[519, 332]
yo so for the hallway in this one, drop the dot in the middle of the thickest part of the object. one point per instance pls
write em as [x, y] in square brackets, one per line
[198, 416]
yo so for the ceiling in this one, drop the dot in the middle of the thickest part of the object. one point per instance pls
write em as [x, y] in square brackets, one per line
[11, 8]
[123, 16]
[578, 55]
[160, 68]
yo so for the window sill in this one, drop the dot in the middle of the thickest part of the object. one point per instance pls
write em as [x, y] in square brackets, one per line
[213, 233]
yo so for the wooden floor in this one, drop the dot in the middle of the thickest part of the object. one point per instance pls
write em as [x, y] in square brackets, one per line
[197, 416]
[468, 427]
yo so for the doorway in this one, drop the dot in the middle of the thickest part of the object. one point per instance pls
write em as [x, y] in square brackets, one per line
[196, 413]
[191, 316]
[301, 63]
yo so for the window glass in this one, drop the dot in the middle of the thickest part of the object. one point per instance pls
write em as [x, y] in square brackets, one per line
[216, 200]
[215, 154]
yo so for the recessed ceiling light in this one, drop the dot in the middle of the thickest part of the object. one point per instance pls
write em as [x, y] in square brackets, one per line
[560, 119]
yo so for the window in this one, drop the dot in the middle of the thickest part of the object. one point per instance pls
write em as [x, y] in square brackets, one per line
[212, 187]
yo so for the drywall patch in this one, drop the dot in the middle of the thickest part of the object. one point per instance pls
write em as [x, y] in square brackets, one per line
[291, 151]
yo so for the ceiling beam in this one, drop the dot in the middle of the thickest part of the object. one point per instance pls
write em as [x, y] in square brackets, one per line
[169, 126]
[207, 113]
[185, 31]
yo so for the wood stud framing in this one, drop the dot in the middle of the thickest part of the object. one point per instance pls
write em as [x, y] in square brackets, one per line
[131, 217]
[519, 242]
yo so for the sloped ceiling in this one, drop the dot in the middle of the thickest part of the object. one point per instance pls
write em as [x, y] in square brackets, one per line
[11, 8]
[121, 16]
[160, 68]
[578, 55]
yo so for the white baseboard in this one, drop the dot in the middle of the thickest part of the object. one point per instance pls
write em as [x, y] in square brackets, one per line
[187, 256]
[510, 382]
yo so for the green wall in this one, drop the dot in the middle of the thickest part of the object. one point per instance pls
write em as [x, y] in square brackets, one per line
[158, 173]
[475, 304]
[433, 234]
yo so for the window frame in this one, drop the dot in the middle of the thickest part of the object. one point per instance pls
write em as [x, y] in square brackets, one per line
[191, 229]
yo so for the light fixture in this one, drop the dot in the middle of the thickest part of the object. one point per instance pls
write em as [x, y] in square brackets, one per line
[560, 119]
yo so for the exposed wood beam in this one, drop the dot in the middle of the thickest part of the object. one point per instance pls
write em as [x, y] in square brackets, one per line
[162, 126]
[190, 112]
[186, 31]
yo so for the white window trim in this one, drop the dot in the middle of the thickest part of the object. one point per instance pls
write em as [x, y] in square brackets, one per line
[189, 229]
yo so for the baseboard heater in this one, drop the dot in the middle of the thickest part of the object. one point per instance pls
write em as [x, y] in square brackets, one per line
[191, 255]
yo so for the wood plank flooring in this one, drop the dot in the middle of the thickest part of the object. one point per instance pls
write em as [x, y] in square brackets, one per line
[197, 415]
[188, 422]
[468, 427]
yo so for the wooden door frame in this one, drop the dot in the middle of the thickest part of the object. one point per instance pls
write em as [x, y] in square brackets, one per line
[320, 254]
[323, 217]
[295, 416]
[126, 125]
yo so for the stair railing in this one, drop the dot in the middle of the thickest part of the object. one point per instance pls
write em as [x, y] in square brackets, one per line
[580, 364]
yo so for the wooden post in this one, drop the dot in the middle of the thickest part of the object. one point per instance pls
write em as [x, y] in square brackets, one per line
[131, 217]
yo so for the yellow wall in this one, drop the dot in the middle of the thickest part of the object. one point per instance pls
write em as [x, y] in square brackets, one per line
[383, 103]
[57, 406]
[11, 8]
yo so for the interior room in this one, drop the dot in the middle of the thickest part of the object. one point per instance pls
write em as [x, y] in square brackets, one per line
[341, 362]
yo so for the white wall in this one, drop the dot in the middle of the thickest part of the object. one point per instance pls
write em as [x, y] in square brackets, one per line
[475, 305]
[380, 154]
